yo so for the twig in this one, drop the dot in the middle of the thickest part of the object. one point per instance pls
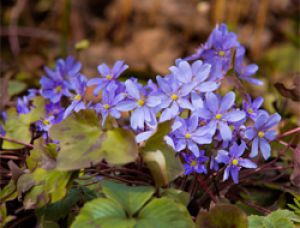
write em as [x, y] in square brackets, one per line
[17, 142]
[288, 132]
[205, 187]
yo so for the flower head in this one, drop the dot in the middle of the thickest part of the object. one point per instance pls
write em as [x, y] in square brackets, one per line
[24, 105]
[190, 135]
[141, 103]
[251, 108]
[108, 75]
[173, 97]
[219, 114]
[109, 102]
[233, 161]
[78, 103]
[195, 163]
[260, 134]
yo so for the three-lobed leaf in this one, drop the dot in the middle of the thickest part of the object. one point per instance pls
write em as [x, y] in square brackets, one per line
[83, 143]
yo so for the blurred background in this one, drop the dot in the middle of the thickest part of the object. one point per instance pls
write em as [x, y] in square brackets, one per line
[149, 35]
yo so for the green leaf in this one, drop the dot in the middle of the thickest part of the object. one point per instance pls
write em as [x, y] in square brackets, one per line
[104, 213]
[177, 195]
[164, 213]
[41, 156]
[9, 192]
[60, 209]
[83, 143]
[279, 218]
[42, 185]
[131, 198]
[4, 218]
[18, 126]
[223, 215]
[160, 158]
[15, 87]
[107, 213]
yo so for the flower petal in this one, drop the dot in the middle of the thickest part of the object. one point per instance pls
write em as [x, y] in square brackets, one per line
[265, 148]
[227, 102]
[254, 149]
[212, 102]
[225, 131]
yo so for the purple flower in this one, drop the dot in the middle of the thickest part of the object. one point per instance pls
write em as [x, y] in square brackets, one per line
[173, 96]
[110, 100]
[218, 114]
[68, 68]
[190, 135]
[24, 105]
[218, 49]
[2, 131]
[55, 109]
[3, 115]
[260, 134]
[107, 75]
[45, 124]
[194, 75]
[141, 104]
[54, 86]
[233, 161]
[194, 164]
[243, 71]
[78, 102]
[251, 108]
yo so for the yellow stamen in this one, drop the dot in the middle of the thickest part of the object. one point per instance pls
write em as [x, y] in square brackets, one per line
[77, 97]
[174, 97]
[141, 102]
[46, 122]
[109, 77]
[250, 110]
[106, 106]
[235, 162]
[58, 89]
[221, 53]
[261, 134]
[218, 116]
[194, 163]
[188, 136]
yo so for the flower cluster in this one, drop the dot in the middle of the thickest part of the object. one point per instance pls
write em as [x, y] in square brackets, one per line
[209, 130]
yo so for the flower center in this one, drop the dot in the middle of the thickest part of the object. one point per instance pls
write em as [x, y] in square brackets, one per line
[261, 134]
[141, 102]
[109, 77]
[188, 136]
[250, 110]
[106, 106]
[58, 89]
[221, 53]
[46, 122]
[77, 97]
[235, 162]
[194, 163]
[218, 116]
[174, 97]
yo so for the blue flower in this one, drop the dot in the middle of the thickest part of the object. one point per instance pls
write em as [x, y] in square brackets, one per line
[194, 164]
[218, 114]
[190, 135]
[233, 161]
[141, 104]
[2, 131]
[107, 75]
[260, 134]
[110, 100]
[3, 116]
[68, 68]
[78, 99]
[218, 50]
[251, 108]
[173, 96]
[195, 75]
[54, 86]
[24, 105]
[243, 71]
